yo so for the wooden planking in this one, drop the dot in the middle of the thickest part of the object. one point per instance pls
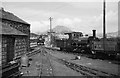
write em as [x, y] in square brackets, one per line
[20, 47]
[4, 50]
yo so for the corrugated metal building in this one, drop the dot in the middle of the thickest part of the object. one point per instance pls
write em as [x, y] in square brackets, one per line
[15, 36]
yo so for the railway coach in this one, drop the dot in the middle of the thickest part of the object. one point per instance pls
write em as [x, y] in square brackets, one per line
[109, 47]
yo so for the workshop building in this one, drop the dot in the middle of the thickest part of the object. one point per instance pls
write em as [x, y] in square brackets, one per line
[15, 36]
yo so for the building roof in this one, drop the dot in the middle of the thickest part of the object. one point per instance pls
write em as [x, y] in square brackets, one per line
[7, 30]
[10, 16]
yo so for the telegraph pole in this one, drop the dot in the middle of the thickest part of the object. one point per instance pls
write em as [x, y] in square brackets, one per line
[104, 25]
[50, 24]
[50, 30]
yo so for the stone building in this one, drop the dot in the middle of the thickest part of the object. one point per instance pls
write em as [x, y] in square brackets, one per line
[15, 37]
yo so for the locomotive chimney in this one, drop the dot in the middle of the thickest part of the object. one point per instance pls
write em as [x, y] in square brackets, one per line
[94, 33]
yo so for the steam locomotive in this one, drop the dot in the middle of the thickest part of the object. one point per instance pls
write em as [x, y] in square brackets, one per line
[89, 44]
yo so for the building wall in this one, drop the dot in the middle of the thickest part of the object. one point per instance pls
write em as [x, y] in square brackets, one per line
[25, 28]
[21, 43]
[4, 50]
[20, 47]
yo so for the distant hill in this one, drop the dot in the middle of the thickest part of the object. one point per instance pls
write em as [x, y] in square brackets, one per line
[59, 29]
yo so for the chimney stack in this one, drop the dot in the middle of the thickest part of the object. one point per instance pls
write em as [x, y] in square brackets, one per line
[94, 33]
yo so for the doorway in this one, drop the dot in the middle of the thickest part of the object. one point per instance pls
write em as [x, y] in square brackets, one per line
[10, 48]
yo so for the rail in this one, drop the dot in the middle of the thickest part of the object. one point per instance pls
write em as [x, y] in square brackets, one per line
[84, 70]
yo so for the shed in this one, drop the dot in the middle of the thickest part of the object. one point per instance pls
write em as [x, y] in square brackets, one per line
[9, 36]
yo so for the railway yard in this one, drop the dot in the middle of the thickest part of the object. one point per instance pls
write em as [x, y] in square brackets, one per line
[53, 53]
[51, 62]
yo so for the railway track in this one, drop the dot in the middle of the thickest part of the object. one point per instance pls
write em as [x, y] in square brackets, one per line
[44, 53]
[42, 63]
[107, 58]
[84, 70]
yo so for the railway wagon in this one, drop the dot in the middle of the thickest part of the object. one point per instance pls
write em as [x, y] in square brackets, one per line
[110, 48]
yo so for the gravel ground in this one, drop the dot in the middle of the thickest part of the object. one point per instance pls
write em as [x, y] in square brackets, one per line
[62, 70]
[92, 63]
[43, 65]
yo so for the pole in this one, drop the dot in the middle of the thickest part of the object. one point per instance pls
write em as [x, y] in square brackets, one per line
[104, 32]
[104, 26]
[50, 30]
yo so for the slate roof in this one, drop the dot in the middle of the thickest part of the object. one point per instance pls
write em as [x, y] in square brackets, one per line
[10, 16]
[7, 30]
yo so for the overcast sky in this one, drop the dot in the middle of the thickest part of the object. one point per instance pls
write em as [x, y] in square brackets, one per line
[78, 16]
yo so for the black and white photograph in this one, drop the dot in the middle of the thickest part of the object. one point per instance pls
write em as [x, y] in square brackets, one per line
[59, 38]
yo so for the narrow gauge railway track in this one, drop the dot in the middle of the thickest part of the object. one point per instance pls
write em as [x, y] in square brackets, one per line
[44, 53]
[85, 71]
[39, 66]
[34, 52]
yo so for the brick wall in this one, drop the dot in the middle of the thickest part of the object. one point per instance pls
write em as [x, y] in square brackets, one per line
[25, 28]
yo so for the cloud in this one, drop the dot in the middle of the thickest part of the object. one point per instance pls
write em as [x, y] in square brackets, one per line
[68, 21]
[64, 21]
[57, 0]
[111, 21]
[95, 22]
[79, 24]
[38, 26]
[38, 16]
